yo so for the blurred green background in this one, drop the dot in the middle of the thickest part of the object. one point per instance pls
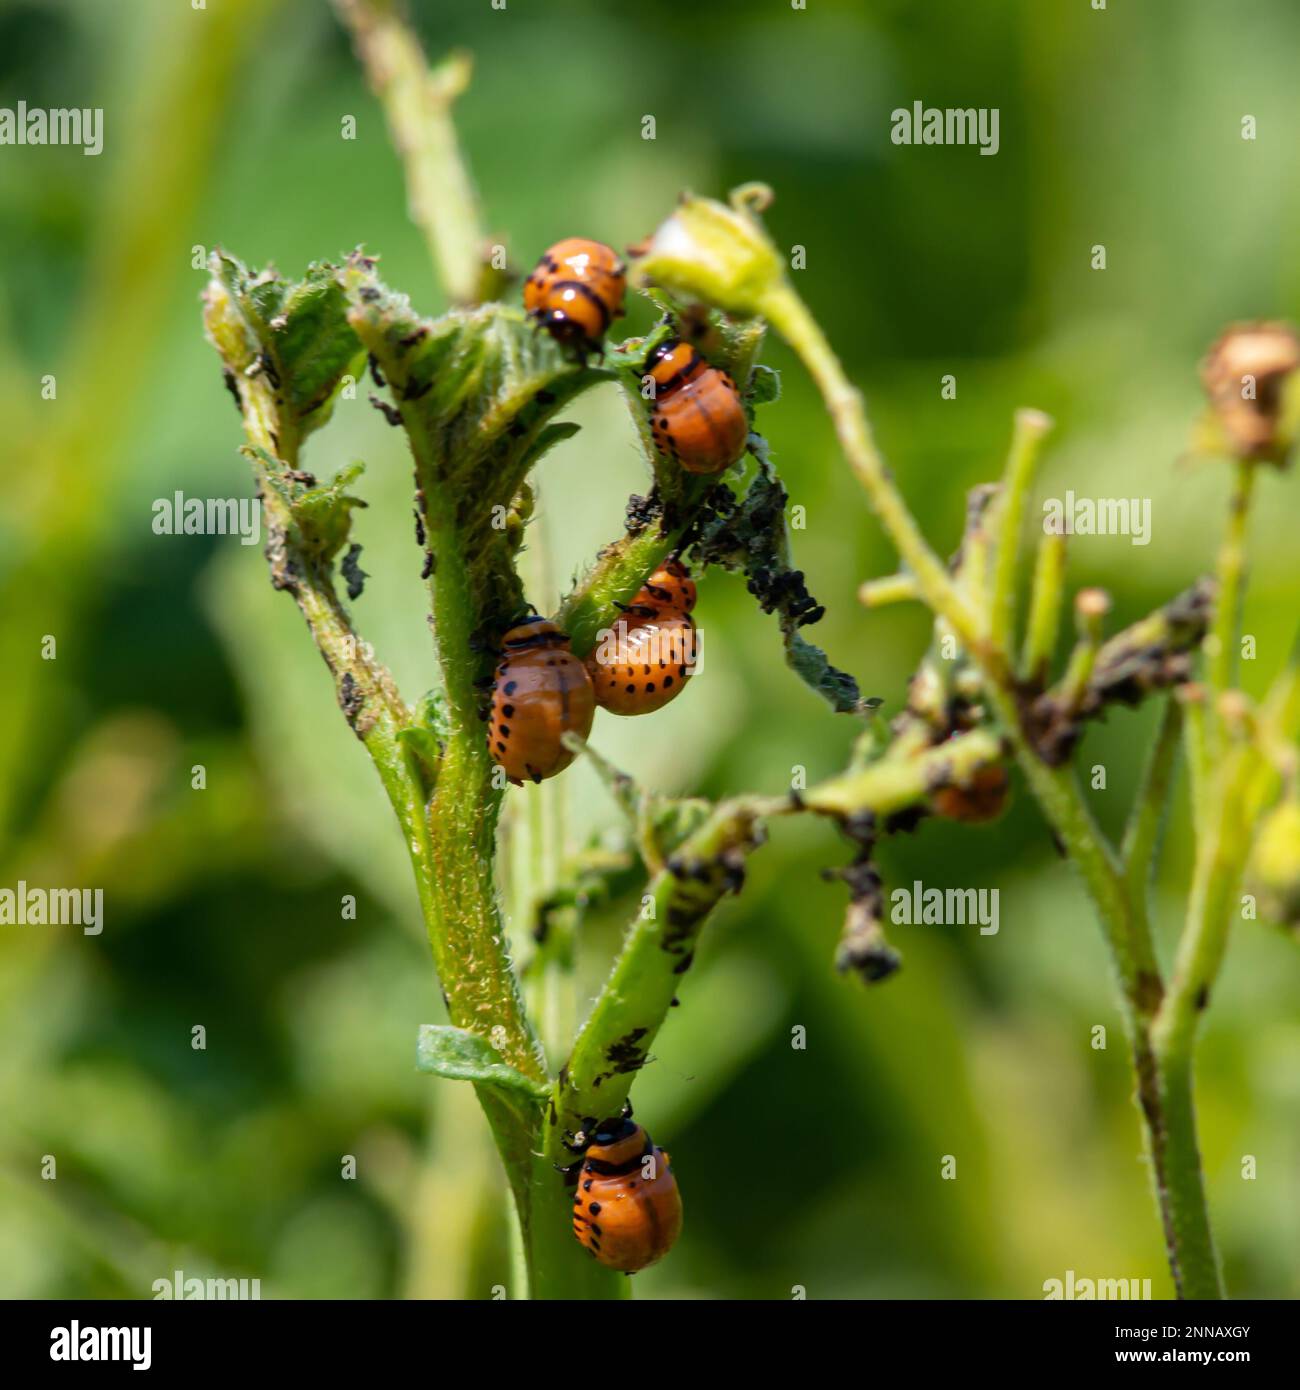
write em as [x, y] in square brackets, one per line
[816, 1167]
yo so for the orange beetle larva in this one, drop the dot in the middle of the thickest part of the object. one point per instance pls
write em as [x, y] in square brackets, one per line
[627, 1210]
[696, 417]
[576, 291]
[541, 692]
[650, 653]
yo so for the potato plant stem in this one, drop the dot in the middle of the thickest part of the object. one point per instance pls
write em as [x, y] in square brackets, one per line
[417, 102]
[1221, 646]
[1164, 1094]
[788, 314]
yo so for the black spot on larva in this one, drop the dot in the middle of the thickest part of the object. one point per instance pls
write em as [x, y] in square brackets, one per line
[596, 1232]
[505, 731]
[595, 1209]
[649, 690]
[668, 683]
[586, 1186]
[631, 690]
[428, 565]
[510, 686]
[684, 964]
[508, 711]
[1202, 997]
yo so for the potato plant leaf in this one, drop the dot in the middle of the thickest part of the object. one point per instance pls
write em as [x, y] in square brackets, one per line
[458, 1055]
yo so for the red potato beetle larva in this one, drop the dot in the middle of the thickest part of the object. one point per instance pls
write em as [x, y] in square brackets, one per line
[647, 657]
[576, 291]
[627, 1210]
[540, 693]
[696, 416]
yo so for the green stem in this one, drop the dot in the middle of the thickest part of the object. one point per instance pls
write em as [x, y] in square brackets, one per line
[889, 589]
[1166, 1107]
[1143, 829]
[1031, 428]
[1222, 641]
[1090, 607]
[1047, 594]
[789, 315]
[418, 102]
[901, 779]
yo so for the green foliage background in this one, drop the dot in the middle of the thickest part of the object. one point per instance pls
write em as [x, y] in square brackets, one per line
[820, 1167]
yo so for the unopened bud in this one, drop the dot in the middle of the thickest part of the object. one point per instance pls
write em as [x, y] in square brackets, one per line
[1275, 863]
[1245, 375]
[720, 255]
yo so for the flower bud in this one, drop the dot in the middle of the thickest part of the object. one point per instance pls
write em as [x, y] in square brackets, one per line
[1275, 864]
[713, 253]
[1246, 376]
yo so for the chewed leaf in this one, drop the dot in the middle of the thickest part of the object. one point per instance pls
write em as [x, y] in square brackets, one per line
[764, 385]
[480, 387]
[459, 1055]
[477, 392]
[322, 512]
[286, 345]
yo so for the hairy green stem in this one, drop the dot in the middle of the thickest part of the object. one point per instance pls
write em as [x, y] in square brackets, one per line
[1030, 429]
[418, 102]
[1164, 1099]
[1047, 595]
[789, 315]
[1221, 642]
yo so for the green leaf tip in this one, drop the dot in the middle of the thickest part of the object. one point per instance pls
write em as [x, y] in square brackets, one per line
[458, 1055]
[477, 392]
[286, 346]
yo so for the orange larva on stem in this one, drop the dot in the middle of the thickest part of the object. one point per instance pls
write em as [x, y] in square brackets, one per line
[576, 291]
[644, 664]
[669, 589]
[541, 692]
[627, 1211]
[983, 799]
[650, 653]
[696, 417]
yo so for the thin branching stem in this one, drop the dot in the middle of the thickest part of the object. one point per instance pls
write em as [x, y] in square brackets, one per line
[1221, 642]
[418, 103]
[1164, 1100]
[789, 315]
[1030, 430]
[1046, 598]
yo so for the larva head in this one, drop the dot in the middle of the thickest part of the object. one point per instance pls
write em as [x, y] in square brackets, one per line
[616, 1142]
[576, 291]
[671, 365]
[533, 633]
[669, 589]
